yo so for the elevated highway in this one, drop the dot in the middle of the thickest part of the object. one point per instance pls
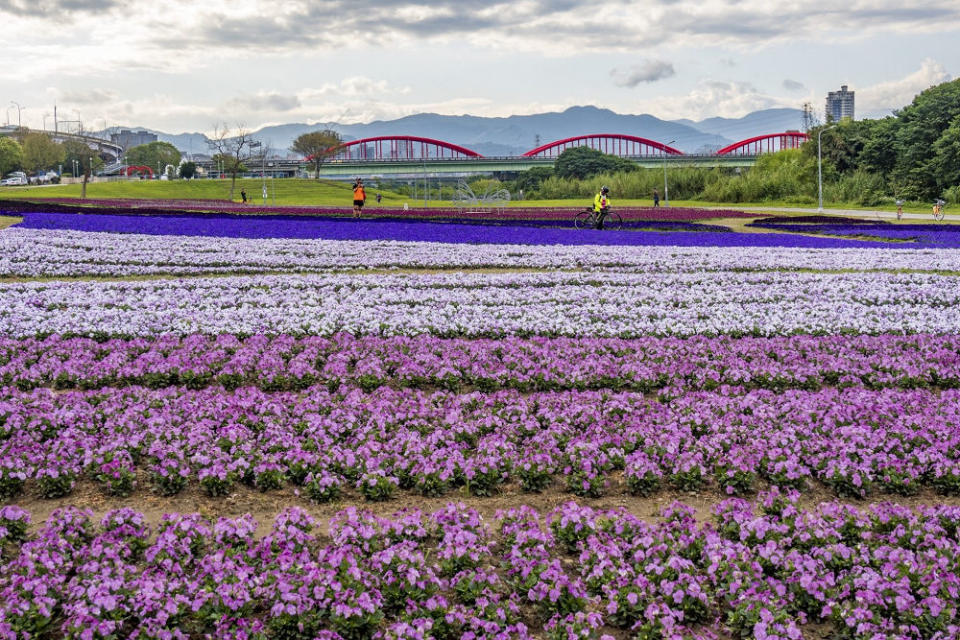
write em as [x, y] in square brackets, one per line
[108, 151]
[462, 167]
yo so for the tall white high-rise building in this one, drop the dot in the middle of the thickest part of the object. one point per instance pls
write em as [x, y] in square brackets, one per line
[839, 104]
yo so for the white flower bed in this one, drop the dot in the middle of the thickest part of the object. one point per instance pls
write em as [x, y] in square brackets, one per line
[575, 304]
[37, 253]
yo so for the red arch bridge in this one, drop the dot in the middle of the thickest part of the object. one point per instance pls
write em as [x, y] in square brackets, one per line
[412, 157]
[407, 148]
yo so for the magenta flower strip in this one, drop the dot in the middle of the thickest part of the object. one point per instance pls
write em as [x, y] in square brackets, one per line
[880, 571]
[856, 441]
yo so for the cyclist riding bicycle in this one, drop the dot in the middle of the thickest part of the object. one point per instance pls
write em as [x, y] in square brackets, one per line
[601, 204]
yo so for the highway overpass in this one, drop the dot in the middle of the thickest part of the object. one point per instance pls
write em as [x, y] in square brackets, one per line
[108, 151]
[459, 167]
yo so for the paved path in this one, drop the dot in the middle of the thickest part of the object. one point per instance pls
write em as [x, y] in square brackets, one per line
[855, 213]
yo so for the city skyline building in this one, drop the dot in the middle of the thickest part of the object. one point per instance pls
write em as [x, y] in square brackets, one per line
[840, 105]
[129, 139]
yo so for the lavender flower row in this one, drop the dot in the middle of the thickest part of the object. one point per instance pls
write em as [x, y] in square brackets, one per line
[856, 442]
[405, 230]
[32, 253]
[526, 364]
[884, 571]
[477, 304]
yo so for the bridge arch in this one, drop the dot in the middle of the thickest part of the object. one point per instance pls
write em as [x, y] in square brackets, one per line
[400, 148]
[765, 144]
[128, 171]
[617, 144]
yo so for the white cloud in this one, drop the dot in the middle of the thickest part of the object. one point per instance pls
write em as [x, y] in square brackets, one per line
[644, 72]
[886, 96]
[714, 98]
[265, 101]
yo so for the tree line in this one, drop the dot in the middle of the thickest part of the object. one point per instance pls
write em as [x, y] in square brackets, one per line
[912, 155]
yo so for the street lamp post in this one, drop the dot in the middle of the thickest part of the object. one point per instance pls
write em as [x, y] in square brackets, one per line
[263, 169]
[666, 193]
[19, 108]
[820, 171]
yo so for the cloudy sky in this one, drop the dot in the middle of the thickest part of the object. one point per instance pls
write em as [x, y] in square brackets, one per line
[186, 66]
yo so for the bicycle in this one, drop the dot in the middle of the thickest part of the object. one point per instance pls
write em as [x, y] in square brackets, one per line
[587, 219]
[938, 207]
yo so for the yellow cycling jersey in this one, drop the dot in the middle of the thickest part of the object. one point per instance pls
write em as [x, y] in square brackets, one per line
[600, 201]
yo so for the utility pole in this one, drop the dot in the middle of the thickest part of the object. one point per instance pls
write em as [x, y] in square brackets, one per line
[820, 170]
[666, 193]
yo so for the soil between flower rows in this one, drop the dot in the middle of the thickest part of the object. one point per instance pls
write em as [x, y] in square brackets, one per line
[264, 506]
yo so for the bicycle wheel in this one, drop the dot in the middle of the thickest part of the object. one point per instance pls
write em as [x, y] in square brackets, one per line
[613, 221]
[938, 214]
[583, 220]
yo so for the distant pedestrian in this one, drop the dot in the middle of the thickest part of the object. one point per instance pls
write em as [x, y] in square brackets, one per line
[379, 197]
[656, 198]
[243, 196]
[359, 197]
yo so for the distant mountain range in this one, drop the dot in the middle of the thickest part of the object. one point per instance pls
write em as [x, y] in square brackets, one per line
[514, 135]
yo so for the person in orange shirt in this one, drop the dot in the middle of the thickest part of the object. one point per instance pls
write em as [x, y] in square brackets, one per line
[359, 197]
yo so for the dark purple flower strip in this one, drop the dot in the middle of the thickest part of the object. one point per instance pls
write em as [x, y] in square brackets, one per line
[206, 207]
[919, 235]
[882, 571]
[526, 364]
[420, 231]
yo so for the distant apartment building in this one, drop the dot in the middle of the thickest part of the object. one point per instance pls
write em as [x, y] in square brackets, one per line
[129, 139]
[839, 105]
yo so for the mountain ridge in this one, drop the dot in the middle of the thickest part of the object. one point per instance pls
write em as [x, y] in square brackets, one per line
[516, 134]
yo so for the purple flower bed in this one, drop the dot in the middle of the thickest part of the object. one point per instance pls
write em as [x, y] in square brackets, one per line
[284, 363]
[855, 442]
[365, 229]
[170, 207]
[918, 235]
[877, 572]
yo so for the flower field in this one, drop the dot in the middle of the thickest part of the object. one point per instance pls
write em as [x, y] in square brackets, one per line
[35, 253]
[298, 438]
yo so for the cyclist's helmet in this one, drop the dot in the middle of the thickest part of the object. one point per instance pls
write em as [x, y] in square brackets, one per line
[604, 190]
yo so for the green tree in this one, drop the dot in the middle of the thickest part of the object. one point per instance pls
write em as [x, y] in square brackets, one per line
[41, 153]
[530, 180]
[75, 150]
[88, 161]
[156, 155]
[316, 146]
[11, 155]
[946, 156]
[188, 170]
[921, 124]
[584, 162]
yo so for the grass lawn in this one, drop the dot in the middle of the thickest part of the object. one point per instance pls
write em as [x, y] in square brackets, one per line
[294, 191]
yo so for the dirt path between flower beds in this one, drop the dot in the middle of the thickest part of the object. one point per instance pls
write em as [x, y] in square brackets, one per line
[264, 506]
[423, 271]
